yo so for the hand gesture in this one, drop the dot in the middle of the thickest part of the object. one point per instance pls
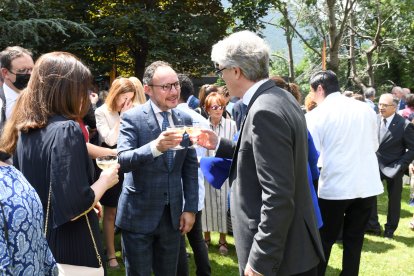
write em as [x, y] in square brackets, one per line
[207, 139]
[110, 176]
[127, 105]
[186, 222]
[168, 139]
[93, 97]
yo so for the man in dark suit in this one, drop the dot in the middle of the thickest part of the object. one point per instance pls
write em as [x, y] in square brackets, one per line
[398, 92]
[395, 153]
[273, 218]
[151, 212]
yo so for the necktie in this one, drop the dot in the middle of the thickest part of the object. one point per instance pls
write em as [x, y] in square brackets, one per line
[169, 153]
[383, 128]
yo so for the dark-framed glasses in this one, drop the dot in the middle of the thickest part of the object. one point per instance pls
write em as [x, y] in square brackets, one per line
[168, 86]
[219, 72]
[217, 107]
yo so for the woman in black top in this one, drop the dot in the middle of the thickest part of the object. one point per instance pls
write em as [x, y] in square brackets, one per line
[51, 153]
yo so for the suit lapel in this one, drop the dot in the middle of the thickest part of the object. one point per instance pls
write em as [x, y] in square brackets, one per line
[391, 128]
[264, 87]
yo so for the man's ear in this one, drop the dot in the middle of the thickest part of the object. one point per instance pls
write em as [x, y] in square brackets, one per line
[147, 90]
[320, 91]
[237, 71]
[4, 72]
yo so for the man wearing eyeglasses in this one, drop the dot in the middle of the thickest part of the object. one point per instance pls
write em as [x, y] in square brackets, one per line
[151, 213]
[16, 67]
[395, 153]
[273, 219]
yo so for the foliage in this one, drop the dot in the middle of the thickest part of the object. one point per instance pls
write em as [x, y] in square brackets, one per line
[379, 255]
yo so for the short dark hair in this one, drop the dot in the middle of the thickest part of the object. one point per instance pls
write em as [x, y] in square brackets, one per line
[187, 87]
[11, 53]
[150, 71]
[327, 79]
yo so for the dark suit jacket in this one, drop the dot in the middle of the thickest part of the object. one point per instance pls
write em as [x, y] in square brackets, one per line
[273, 218]
[396, 148]
[148, 179]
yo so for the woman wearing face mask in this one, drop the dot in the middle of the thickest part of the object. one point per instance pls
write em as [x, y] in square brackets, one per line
[214, 217]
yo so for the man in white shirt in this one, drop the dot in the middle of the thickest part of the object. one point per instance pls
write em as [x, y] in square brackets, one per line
[195, 236]
[345, 133]
[16, 68]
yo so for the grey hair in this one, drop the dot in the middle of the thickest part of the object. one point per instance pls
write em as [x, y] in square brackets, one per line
[150, 71]
[369, 92]
[395, 100]
[11, 53]
[245, 50]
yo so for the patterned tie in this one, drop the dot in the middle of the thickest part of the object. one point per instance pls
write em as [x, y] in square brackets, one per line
[383, 128]
[169, 153]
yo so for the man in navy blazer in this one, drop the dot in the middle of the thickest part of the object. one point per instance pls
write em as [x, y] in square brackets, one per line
[273, 218]
[151, 212]
[395, 153]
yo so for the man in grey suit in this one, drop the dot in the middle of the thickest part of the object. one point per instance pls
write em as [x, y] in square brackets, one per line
[273, 219]
[395, 153]
[151, 213]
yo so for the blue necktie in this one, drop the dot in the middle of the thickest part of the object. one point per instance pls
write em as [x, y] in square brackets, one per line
[169, 153]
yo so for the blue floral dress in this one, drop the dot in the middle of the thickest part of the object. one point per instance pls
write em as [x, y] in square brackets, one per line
[23, 248]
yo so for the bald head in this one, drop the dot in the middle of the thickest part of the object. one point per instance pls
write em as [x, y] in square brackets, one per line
[387, 105]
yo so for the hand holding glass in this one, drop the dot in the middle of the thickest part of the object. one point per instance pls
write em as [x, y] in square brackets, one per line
[193, 131]
[179, 131]
[107, 161]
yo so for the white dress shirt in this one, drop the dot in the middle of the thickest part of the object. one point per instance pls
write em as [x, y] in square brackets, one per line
[198, 120]
[11, 98]
[345, 132]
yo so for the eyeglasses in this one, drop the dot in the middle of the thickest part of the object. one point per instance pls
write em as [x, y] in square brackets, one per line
[168, 86]
[22, 71]
[217, 107]
[385, 105]
[219, 72]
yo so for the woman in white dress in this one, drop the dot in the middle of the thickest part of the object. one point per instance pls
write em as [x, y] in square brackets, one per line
[122, 96]
[214, 216]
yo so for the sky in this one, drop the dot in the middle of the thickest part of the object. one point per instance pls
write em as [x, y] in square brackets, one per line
[275, 37]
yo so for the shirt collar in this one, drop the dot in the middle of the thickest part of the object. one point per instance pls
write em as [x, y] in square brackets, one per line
[251, 91]
[156, 109]
[389, 119]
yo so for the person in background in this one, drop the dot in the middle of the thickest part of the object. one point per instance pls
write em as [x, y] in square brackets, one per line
[369, 94]
[48, 147]
[395, 153]
[122, 94]
[358, 97]
[139, 89]
[309, 102]
[349, 179]
[239, 112]
[195, 236]
[21, 226]
[229, 106]
[215, 214]
[406, 112]
[204, 91]
[398, 92]
[16, 67]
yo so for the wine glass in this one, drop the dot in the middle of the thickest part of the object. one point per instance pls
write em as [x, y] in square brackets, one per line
[193, 131]
[179, 130]
[107, 161]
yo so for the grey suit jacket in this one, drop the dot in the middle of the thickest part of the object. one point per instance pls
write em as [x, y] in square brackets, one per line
[396, 148]
[148, 180]
[273, 217]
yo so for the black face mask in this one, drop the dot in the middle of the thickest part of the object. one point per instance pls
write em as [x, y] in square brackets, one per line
[21, 81]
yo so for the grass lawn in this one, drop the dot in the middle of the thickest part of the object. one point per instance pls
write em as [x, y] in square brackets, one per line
[380, 256]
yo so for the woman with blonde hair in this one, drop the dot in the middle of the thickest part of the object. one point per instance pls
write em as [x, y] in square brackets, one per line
[50, 150]
[121, 97]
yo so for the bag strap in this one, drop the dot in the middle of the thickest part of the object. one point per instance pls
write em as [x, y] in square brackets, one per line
[98, 256]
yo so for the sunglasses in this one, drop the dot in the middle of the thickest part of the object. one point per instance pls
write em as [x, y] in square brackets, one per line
[216, 107]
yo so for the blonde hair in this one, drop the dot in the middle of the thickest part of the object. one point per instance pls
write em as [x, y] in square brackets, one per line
[139, 90]
[119, 86]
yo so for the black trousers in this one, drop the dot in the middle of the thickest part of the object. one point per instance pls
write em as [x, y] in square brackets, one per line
[394, 189]
[196, 239]
[352, 216]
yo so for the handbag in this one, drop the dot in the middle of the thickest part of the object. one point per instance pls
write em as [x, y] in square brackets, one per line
[76, 270]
